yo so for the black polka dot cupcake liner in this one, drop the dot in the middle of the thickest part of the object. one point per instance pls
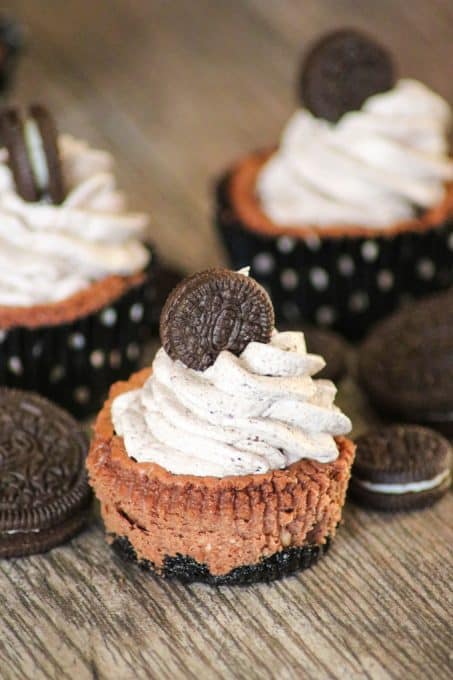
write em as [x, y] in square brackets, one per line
[74, 364]
[345, 283]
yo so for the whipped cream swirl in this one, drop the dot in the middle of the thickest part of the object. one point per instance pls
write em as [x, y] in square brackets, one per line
[243, 415]
[374, 167]
[48, 252]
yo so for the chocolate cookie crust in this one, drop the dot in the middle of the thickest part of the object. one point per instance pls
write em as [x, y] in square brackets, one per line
[44, 494]
[188, 570]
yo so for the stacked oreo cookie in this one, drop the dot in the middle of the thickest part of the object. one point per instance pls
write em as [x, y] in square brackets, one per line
[406, 369]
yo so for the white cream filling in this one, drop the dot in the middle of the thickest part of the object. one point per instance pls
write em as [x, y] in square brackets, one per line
[409, 487]
[37, 154]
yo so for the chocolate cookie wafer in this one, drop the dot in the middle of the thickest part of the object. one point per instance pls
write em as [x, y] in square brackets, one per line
[401, 467]
[33, 154]
[44, 495]
[213, 311]
[341, 71]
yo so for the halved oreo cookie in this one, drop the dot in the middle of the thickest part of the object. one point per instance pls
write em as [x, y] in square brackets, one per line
[214, 310]
[401, 467]
[33, 154]
[44, 494]
[341, 71]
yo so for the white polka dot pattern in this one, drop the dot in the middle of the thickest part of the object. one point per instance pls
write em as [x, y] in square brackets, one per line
[425, 268]
[263, 263]
[319, 278]
[289, 279]
[136, 312]
[369, 250]
[15, 365]
[76, 341]
[385, 279]
[346, 265]
[82, 394]
[108, 316]
[97, 358]
[285, 244]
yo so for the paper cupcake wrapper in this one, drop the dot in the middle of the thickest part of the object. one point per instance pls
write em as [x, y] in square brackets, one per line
[345, 283]
[75, 363]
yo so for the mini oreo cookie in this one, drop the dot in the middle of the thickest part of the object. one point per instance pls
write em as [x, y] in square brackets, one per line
[401, 467]
[44, 493]
[341, 71]
[211, 311]
[406, 363]
[188, 570]
[33, 154]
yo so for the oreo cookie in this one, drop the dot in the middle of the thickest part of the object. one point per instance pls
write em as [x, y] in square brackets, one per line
[188, 570]
[406, 364]
[401, 467]
[44, 493]
[341, 71]
[214, 310]
[33, 155]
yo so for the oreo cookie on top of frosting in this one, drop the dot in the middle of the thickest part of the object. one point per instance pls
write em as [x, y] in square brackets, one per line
[226, 377]
[33, 154]
[63, 222]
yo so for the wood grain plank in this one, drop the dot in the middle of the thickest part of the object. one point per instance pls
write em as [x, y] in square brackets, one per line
[177, 90]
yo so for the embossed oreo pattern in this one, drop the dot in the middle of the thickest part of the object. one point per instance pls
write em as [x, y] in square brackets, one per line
[345, 283]
[213, 311]
[42, 454]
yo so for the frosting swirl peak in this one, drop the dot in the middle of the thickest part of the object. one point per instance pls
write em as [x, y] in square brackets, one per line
[242, 415]
[374, 167]
[48, 252]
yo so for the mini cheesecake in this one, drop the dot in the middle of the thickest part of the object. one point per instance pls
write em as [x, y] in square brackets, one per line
[226, 462]
[235, 529]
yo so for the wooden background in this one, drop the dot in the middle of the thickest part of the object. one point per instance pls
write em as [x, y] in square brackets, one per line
[176, 89]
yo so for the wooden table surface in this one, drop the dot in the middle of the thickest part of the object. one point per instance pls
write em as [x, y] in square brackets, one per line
[176, 90]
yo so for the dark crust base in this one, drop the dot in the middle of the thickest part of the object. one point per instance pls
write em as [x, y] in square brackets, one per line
[339, 305]
[188, 570]
[398, 502]
[32, 543]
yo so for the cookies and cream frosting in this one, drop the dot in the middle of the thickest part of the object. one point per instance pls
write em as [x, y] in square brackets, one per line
[374, 167]
[48, 252]
[244, 414]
